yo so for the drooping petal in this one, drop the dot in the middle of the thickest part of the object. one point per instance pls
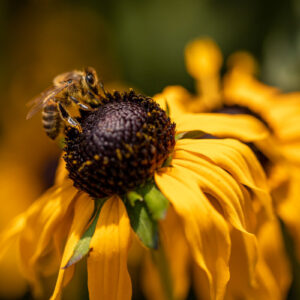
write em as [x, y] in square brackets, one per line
[243, 263]
[83, 211]
[176, 98]
[242, 127]
[50, 217]
[241, 88]
[108, 276]
[42, 220]
[288, 204]
[272, 247]
[174, 246]
[218, 183]
[243, 62]
[272, 274]
[237, 159]
[203, 61]
[205, 229]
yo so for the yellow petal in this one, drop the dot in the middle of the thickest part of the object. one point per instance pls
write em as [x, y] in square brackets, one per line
[83, 211]
[203, 61]
[219, 184]
[243, 89]
[243, 261]
[203, 58]
[176, 97]
[242, 127]
[61, 172]
[205, 229]
[42, 219]
[243, 61]
[272, 274]
[108, 276]
[11, 233]
[174, 245]
[50, 218]
[237, 159]
[273, 252]
[288, 206]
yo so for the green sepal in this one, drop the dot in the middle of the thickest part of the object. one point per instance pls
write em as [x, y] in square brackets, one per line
[82, 248]
[61, 143]
[156, 202]
[167, 109]
[168, 161]
[144, 226]
[193, 134]
[133, 196]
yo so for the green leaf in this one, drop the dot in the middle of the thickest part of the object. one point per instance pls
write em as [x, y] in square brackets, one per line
[144, 226]
[133, 196]
[83, 246]
[156, 202]
[193, 134]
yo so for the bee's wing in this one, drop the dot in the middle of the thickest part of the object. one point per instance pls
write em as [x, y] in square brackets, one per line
[39, 102]
[68, 76]
[42, 95]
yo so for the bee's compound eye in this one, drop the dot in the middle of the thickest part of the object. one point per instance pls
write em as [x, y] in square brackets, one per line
[90, 78]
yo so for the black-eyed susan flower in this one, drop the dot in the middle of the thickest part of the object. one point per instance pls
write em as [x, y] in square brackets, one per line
[185, 190]
[242, 93]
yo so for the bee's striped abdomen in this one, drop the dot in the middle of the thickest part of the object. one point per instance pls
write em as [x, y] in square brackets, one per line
[51, 120]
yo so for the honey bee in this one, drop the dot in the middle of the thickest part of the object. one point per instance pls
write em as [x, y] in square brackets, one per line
[71, 91]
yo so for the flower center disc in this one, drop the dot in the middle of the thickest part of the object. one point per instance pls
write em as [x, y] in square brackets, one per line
[121, 144]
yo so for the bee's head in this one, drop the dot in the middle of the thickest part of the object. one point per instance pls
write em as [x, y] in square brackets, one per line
[91, 79]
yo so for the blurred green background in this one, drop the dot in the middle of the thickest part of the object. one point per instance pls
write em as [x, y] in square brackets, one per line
[131, 43]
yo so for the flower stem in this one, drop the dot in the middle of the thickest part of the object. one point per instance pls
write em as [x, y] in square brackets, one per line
[161, 262]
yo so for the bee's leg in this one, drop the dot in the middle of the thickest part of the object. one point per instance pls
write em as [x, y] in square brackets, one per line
[106, 93]
[102, 88]
[67, 118]
[77, 102]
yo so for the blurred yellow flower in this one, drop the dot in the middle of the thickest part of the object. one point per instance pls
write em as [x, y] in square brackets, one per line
[216, 187]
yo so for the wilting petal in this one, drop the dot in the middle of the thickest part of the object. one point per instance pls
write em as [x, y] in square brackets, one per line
[273, 252]
[203, 61]
[205, 229]
[242, 62]
[288, 207]
[243, 263]
[176, 98]
[243, 89]
[42, 219]
[108, 276]
[219, 184]
[83, 211]
[242, 127]
[174, 246]
[237, 159]
[11, 233]
[203, 58]
[50, 218]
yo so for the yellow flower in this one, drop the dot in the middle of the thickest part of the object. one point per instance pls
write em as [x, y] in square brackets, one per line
[216, 187]
[241, 95]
